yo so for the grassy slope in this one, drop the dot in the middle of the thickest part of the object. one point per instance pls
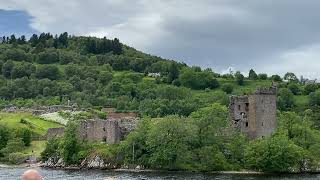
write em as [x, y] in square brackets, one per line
[35, 149]
[12, 120]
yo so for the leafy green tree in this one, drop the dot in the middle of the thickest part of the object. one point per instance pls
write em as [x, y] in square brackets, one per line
[51, 149]
[173, 72]
[208, 120]
[314, 98]
[239, 78]
[70, 144]
[253, 75]
[48, 71]
[263, 76]
[276, 78]
[25, 135]
[228, 88]
[197, 80]
[294, 88]
[48, 57]
[7, 69]
[169, 142]
[13, 145]
[285, 99]
[309, 88]
[291, 77]
[277, 154]
[210, 158]
[5, 135]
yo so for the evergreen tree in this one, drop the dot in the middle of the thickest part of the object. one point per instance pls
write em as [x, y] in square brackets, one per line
[117, 46]
[34, 40]
[253, 75]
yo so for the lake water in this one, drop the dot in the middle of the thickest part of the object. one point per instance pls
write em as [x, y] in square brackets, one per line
[50, 174]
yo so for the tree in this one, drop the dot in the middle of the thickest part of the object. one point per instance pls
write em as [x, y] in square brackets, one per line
[239, 78]
[48, 57]
[277, 154]
[7, 69]
[168, 142]
[294, 88]
[173, 72]
[309, 88]
[12, 39]
[105, 77]
[314, 98]
[276, 78]
[291, 77]
[4, 136]
[70, 144]
[116, 46]
[253, 75]
[48, 71]
[51, 149]
[208, 120]
[262, 76]
[63, 39]
[34, 40]
[228, 88]
[25, 135]
[13, 145]
[285, 99]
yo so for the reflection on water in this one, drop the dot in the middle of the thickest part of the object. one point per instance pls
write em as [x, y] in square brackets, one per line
[49, 174]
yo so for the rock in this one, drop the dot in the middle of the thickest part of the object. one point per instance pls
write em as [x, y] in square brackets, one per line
[96, 162]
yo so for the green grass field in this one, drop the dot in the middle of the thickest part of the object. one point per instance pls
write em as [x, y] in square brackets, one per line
[38, 125]
[35, 149]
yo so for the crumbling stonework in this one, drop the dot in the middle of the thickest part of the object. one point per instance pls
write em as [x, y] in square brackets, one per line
[255, 114]
[112, 130]
[100, 131]
[55, 132]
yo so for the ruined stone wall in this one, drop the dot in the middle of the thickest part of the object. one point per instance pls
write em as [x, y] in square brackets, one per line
[54, 132]
[239, 109]
[99, 131]
[265, 112]
[111, 131]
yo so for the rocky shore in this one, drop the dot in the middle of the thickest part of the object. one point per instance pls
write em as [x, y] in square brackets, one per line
[94, 162]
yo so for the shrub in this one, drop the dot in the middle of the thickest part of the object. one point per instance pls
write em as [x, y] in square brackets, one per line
[17, 158]
[228, 88]
[25, 134]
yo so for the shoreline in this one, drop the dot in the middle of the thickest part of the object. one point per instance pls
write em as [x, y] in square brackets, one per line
[243, 172]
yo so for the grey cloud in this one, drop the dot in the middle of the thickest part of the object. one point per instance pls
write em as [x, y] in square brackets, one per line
[211, 33]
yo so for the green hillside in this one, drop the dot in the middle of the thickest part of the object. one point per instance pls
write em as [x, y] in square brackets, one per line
[184, 124]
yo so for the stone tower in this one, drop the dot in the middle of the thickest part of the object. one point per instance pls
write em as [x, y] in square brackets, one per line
[255, 114]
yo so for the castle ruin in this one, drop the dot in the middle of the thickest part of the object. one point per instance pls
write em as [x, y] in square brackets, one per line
[111, 130]
[255, 114]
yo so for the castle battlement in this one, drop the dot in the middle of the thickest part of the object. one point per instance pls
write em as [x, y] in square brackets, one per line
[270, 90]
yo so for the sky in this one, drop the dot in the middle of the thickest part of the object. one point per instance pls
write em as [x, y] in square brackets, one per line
[270, 36]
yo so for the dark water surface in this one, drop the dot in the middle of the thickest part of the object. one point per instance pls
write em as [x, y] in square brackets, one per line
[50, 174]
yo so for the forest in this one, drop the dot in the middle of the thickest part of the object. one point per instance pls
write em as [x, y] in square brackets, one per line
[184, 116]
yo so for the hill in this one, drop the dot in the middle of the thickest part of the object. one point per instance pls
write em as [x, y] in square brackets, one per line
[94, 72]
[184, 112]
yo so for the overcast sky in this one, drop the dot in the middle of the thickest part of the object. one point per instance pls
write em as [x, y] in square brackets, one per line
[273, 36]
